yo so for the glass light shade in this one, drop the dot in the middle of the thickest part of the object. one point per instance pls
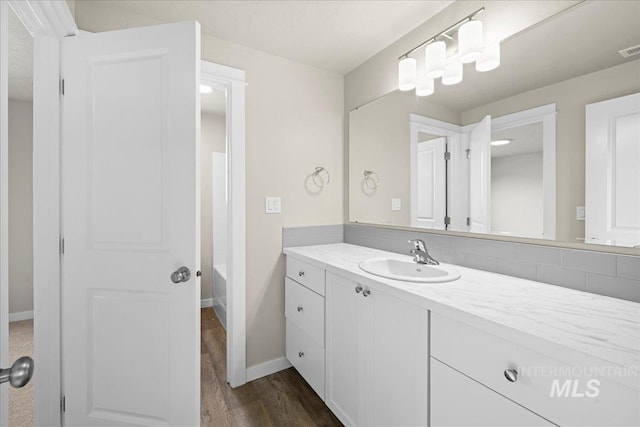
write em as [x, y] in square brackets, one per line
[407, 74]
[501, 142]
[435, 59]
[470, 41]
[490, 58]
[453, 72]
[425, 85]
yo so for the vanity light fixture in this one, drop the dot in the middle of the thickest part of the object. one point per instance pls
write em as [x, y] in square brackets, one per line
[407, 74]
[205, 89]
[500, 142]
[490, 58]
[419, 74]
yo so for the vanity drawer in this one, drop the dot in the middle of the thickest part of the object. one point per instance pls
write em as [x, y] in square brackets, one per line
[306, 356]
[305, 308]
[557, 390]
[309, 275]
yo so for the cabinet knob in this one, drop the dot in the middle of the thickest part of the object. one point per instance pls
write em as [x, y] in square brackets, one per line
[511, 375]
[366, 293]
[358, 289]
[299, 308]
[301, 354]
[301, 273]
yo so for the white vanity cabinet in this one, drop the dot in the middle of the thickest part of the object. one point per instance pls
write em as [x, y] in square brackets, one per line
[304, 313]
[471, 364]
[377, 351]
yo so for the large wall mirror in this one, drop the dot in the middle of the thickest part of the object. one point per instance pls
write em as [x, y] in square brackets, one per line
[546, 146]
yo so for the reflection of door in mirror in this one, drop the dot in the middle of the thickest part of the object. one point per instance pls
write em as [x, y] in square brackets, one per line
[480, 177]
[430, 183]
[612, 182]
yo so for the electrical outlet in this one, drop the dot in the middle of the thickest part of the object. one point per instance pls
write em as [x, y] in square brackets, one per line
[580, 213]
[396, 204]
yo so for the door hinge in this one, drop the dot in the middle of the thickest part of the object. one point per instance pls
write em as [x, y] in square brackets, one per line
[447, 156]
[469, 221]
[447, 220]
[62, 86]
[468, 151]
[63, 404]
[62, 245]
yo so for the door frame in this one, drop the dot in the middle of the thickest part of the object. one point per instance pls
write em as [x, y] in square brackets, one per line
[47, 21]
[232, 81]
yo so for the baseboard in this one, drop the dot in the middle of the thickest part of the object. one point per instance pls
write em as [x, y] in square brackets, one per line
[267, 368]
[20, 315]
[209, 302]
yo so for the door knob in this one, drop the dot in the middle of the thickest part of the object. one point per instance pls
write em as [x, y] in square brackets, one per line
[19, 374]
[181, 275]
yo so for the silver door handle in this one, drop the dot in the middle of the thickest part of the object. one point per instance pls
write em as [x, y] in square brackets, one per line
[181, 275]
[19, 374]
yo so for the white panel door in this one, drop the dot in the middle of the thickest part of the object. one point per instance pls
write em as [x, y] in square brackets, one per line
[612, 185]
[480, 177]
[130, 207]
[431, 185]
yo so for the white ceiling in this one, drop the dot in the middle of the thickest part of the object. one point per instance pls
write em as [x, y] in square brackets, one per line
[214, 102]
[525, 139]
[20, 60]
[328, 34]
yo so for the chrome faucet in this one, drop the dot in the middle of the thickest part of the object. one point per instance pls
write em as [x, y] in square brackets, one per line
[421, 254]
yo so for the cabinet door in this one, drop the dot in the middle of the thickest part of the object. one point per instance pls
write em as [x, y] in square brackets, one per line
[397, 354]
[457, 400]
[344, 392]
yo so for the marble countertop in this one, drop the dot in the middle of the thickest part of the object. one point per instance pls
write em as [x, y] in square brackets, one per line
[600, 327]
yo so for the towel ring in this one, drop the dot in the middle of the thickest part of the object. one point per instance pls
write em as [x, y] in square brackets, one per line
[317, 179]
[371, 180]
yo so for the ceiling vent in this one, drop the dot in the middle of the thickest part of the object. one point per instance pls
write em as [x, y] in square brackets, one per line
[630, 51]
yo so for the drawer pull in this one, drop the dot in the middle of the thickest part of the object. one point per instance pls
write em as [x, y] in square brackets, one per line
[299, 308]
[511, 375]
[366, 293]
[301, 354]
[358, 289]
[301, 273]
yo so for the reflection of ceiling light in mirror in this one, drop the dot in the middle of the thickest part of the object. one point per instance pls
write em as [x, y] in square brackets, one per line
[407, 74]
[501, 142]
[205, 89]
[470, 41]
[453, 72]
[490, 58]
[435, 59]
[425, 86]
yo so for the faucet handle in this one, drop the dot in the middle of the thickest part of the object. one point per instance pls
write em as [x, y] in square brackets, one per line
[418, 244]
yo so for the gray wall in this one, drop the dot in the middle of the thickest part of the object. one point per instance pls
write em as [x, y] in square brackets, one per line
[20, 206]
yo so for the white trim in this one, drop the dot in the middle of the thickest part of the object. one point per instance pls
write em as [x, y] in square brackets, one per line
[267, 368]
[4, 211]
[45, 17]
[233, 81]
[20, 315]
[209, 302]
[545, 114]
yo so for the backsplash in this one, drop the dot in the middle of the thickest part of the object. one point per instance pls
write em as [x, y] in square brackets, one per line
[601, 273]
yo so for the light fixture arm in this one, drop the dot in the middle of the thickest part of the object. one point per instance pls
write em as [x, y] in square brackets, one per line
[443, 33]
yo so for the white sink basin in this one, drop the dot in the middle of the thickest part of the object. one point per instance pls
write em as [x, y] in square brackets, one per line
[409, 271]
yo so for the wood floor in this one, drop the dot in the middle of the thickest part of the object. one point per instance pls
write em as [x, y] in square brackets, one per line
[281, 399]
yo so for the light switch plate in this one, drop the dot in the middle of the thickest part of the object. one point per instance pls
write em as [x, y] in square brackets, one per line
[396, 204]
[580, 213]
[272, 205]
